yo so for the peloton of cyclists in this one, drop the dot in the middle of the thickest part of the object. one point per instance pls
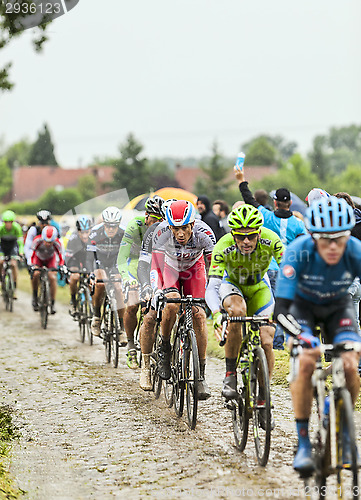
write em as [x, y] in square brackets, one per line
[312, 288]
[128, 265]
[11, 243]
[47, 251]
[182, 246]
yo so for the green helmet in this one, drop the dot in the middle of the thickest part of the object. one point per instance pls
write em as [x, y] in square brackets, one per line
[8, 216]
[245, 216]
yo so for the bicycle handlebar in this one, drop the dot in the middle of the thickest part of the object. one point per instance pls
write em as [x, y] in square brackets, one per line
[261, 320]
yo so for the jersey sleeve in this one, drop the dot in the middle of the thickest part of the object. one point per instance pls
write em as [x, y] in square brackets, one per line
[277, 248]
[288, 274]
[218, 264]
[124, 249]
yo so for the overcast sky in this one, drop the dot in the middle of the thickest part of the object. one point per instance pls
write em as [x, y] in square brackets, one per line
[181, 73]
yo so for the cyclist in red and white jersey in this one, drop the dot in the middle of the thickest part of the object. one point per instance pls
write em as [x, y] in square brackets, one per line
[47, 250]
[182, 246]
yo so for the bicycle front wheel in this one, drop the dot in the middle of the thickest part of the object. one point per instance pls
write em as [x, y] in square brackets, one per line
[346, 450]
[178, 382]
[261, 405]
[156, 380]
[44, 303]
[88, 316]
[81, 311]
[114, 338]
[191, 372]
[8, 290]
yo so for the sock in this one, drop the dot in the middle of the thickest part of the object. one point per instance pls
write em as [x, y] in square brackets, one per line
[73, 299]
[202, 367]
[230, 366]
[131, 345]
[302, 432]
[97, 311]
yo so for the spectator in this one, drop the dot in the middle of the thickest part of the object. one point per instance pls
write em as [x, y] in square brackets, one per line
[210, 218]
[262, 197]
[316, 194]
[221, 209]
[237, 204]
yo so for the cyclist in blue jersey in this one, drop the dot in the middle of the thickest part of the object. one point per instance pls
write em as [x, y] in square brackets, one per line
[282, 222]
[312, 288]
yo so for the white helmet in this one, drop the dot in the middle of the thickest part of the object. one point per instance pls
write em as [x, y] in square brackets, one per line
[112, 216]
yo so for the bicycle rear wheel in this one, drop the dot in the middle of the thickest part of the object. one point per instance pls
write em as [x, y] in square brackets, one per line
[240, 418]
[44, 303]
[345, 423]
[106, 331]
[191, 372]
[178, 385]
[261, 405]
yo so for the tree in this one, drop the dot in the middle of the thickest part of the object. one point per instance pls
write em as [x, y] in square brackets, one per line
[284, 149]
[216, 170]
[12, 26]
[260, 152]
[18, 153]
[318, 157]
[87, 187]
[131, 170]
[6, 179]
[42, 151]
[160, 175]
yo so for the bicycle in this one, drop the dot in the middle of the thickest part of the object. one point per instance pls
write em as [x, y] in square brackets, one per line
[185, 370]
[8, 286]
[44, 293]
[254, 397]
[84, 306]
[329, 436]
[111, 325]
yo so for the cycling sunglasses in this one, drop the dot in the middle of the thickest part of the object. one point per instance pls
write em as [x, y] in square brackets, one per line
[242, 236]
[111, 226]
[329, 237]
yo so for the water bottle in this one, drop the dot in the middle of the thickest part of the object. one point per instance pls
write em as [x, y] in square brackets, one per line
[240, 161]
[326, 412]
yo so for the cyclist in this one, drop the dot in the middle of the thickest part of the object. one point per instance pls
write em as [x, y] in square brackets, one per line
[76, 255]
[46, 249]
[282, 222]
[238, 283]
[312, 288]
[128, 264]
[146, 292]
[105, 240]
[11, 243]
[182, 246]
[44, 219]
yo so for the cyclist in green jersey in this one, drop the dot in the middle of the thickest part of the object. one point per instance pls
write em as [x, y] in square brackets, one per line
[128, 267]
[238, 283]
[11, 242]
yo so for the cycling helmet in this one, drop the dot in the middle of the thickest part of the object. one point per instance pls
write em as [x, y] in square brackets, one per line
[8, 216]
[153, 205]
[180, 213]
[49, 233]
[316, 194]
[83, 223]
[245, 216]
[44, 216]
[165, 205]
[329, 215]
[112, 216]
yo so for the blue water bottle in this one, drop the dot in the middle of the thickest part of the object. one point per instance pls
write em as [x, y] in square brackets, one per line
[326, 412]
[240, 161]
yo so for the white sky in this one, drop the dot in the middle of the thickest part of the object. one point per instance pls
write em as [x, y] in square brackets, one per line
[181, 73]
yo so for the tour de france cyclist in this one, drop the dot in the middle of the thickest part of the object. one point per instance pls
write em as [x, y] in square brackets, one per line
[238, 283]
[312, 288]
[47, 251]
[11, 243]
[182, 246]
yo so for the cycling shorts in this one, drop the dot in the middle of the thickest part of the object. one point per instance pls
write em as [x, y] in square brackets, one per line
[259, 297]
[193, 280]
[335, 317]
[9, 250]
[52, 262]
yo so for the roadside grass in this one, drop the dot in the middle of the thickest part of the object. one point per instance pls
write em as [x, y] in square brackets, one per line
[62, 294]
[8, 433]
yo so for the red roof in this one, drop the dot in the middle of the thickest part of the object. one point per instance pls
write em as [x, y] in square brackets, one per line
[29, 183]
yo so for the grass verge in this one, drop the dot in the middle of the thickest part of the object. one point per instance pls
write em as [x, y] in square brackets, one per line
[8, 433]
